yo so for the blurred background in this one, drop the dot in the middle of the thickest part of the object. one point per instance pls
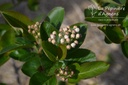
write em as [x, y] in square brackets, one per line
[10, 72]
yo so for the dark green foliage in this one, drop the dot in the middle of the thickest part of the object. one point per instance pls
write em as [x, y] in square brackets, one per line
[43, 60]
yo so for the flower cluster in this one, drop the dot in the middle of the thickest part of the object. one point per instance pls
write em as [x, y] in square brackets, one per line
[65, 73]
[68, 36]
[34, 30]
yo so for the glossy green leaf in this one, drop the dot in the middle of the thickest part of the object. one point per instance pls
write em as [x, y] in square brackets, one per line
[90, 69]
[93, 69]
[31, 66]
[50, 50]
[53, 69]
[81, 56]
[6, 6]
[9, 48]
[4, 58]
[42, 79]
[96, 16]
[123, 13]
[83, 30]
[24, 41]
[17, 21]
[21, 54]
[113, 33]
[55, 17]
[20, 43]
[7, 36]
[62, 52]
[33, 4]
[125, 25]
[124, 46]
[107, 40]
[46, 29]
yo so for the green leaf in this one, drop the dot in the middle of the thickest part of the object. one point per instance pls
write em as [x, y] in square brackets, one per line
[3, 84]
[21, 54]
[17, 21]
[33, 4]
[42, 79]
[6, 6]
[125, 25]
[55, 17]
[113, 33]
[81, 56]
[53, 69]
[31, 66]
[83, 30]
[96, 16]
[7, 36]
[62, 52]
[4, 58]
[90, 69]
[123, 13]
[20, 43]
[24, 41]
[9, 48]
[93, 69]
[46, 29]
[50, 50]
[124, 46]
[107, 40]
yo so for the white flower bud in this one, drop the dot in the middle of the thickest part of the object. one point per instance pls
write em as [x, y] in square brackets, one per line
[60, 35]
[66, 36]
[68, 47]
[74, 26]
[33, 32]
[37, 23]
[77, 29]
[65, 73]
[58, 75]
[72, 35]
[65, 29]
[61, 30]
[67, 33]
[68, 40]
[73, 45]
[35, 26]
[38, 34]
[72, 73]
[29, 27]
[36, 29]
[76, 42]
[77, 36]
[52, 36]
[63, 79]
[36, 37]
[73, 31]
[32, 26]
[61, 72]
[53, 41]
[62, 41]
[49, 39]
[29, 31]
[54, 32]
